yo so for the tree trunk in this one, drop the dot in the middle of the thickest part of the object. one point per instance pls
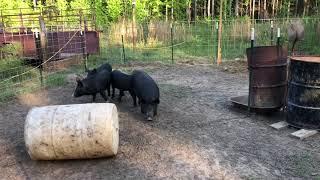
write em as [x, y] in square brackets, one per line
[259, 8]
[188, 11]
[237, 8]
[171, 10]
[166, 10]
[304, 7]
[194, 10]
[308, 7]
[225, 10]
[250, 9]
[204, 9]
[273, 6]
[253, 8]
[317, 8]
[212, 9]
[133, 23]
[209, 8]
[230, 8]
[277, 7]
[296, 8]
[289, 5]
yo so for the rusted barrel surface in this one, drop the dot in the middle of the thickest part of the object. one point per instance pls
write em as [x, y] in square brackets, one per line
[304, 92]
[72, 131]
[268, 65]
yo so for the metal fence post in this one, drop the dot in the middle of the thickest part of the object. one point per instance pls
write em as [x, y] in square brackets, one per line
[216, 40]
[123, 51]
[250, 70]
[271, 35]
[172, 60]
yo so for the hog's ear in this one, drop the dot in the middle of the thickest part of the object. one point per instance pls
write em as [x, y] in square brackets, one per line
[79, 76]
[157, 101]
[78, 79]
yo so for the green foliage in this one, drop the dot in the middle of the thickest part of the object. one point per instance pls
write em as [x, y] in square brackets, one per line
[10, 51]
[62, 4]
[80, 4]
[108, 11]
[114, 10]
[55, 79]
[13, 4]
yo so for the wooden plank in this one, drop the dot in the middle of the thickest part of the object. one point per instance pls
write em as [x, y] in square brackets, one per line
[303, 133]
[279, 125]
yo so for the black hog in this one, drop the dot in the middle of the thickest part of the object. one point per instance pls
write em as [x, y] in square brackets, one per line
[122, 81]
[93, 84]
[147, 91]
[105, 66]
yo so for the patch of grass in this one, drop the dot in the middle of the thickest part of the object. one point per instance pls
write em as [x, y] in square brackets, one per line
[10, 89]
[55, 79]
[9, 51]
[7, 91]
[200, 40]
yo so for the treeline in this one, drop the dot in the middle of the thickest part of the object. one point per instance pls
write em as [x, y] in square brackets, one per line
[187, 10]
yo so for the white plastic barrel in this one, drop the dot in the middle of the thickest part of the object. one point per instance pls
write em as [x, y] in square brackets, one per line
[74, 131]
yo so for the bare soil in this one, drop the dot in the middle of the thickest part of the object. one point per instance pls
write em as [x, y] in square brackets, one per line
[197, 135]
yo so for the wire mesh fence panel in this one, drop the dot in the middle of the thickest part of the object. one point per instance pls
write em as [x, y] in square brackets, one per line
[153, 41]
[41, 53]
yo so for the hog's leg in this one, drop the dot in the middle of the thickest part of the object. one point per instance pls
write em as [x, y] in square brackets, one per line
[113, 91]
[108, 88]
[103, 94]
[120, 95]
[134, 98]
[155, 110]
[94, 97]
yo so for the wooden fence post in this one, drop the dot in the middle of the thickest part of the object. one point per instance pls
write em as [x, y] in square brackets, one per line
[83, 44]
[219, 60]
[133, 23]
[43, 45]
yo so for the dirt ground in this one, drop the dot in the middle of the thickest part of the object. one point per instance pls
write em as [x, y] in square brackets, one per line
[198, 135]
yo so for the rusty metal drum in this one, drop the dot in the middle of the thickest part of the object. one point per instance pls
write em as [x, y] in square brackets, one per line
[268, 66]
[303, 100]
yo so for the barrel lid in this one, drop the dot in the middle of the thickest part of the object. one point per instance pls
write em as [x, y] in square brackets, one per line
[312, 59]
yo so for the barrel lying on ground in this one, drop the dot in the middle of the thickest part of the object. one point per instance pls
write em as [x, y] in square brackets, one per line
[72, 131]
[304, 92]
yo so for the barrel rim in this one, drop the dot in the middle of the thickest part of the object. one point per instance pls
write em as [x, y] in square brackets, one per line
[311, 59]
[115, 131]
[273, 46]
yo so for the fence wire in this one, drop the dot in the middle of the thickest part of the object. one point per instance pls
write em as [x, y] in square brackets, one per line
[38, 56]
[199, 40]
[27, 63]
